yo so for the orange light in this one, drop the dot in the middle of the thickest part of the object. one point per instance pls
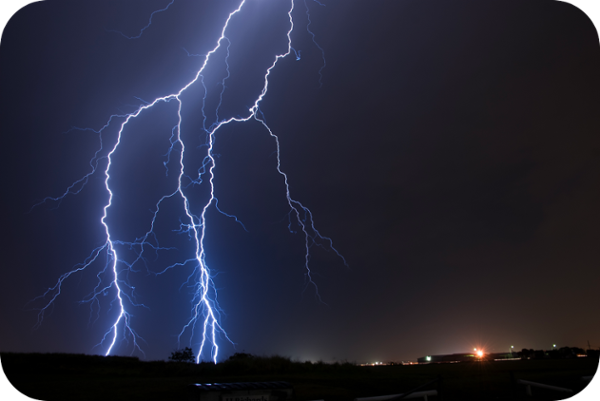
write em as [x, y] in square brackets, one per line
[480, 353]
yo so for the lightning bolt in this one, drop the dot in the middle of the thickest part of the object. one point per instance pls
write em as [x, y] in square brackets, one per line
[113, 276]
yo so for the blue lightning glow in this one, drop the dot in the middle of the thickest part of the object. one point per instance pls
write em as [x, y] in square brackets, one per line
[145, 27]
[315, 41]
[204, 313]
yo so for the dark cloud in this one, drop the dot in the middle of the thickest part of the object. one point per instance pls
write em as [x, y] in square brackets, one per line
[450, 154]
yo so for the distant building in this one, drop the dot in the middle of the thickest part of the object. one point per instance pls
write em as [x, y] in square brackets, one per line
[453, 358]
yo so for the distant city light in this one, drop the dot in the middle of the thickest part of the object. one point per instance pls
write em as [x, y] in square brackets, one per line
[480, 353]
[428, 358]
[379, 363]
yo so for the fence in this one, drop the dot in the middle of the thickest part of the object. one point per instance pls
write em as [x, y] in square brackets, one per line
[529, 385]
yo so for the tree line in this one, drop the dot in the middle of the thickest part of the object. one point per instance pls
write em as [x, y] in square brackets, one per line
[560, 353]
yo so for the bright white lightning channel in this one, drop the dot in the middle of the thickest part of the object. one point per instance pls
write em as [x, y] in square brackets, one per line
[204, 310]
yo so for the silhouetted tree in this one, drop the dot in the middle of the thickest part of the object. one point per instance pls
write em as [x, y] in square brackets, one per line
[183, 355]
[526, 353]
[240, 356]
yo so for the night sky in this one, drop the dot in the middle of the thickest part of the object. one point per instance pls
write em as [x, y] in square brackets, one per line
[449, 149]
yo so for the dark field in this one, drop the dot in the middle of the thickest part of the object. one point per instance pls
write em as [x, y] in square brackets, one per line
[84, 377]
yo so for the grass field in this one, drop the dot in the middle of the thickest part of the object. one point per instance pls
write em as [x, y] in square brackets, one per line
[84, 377]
